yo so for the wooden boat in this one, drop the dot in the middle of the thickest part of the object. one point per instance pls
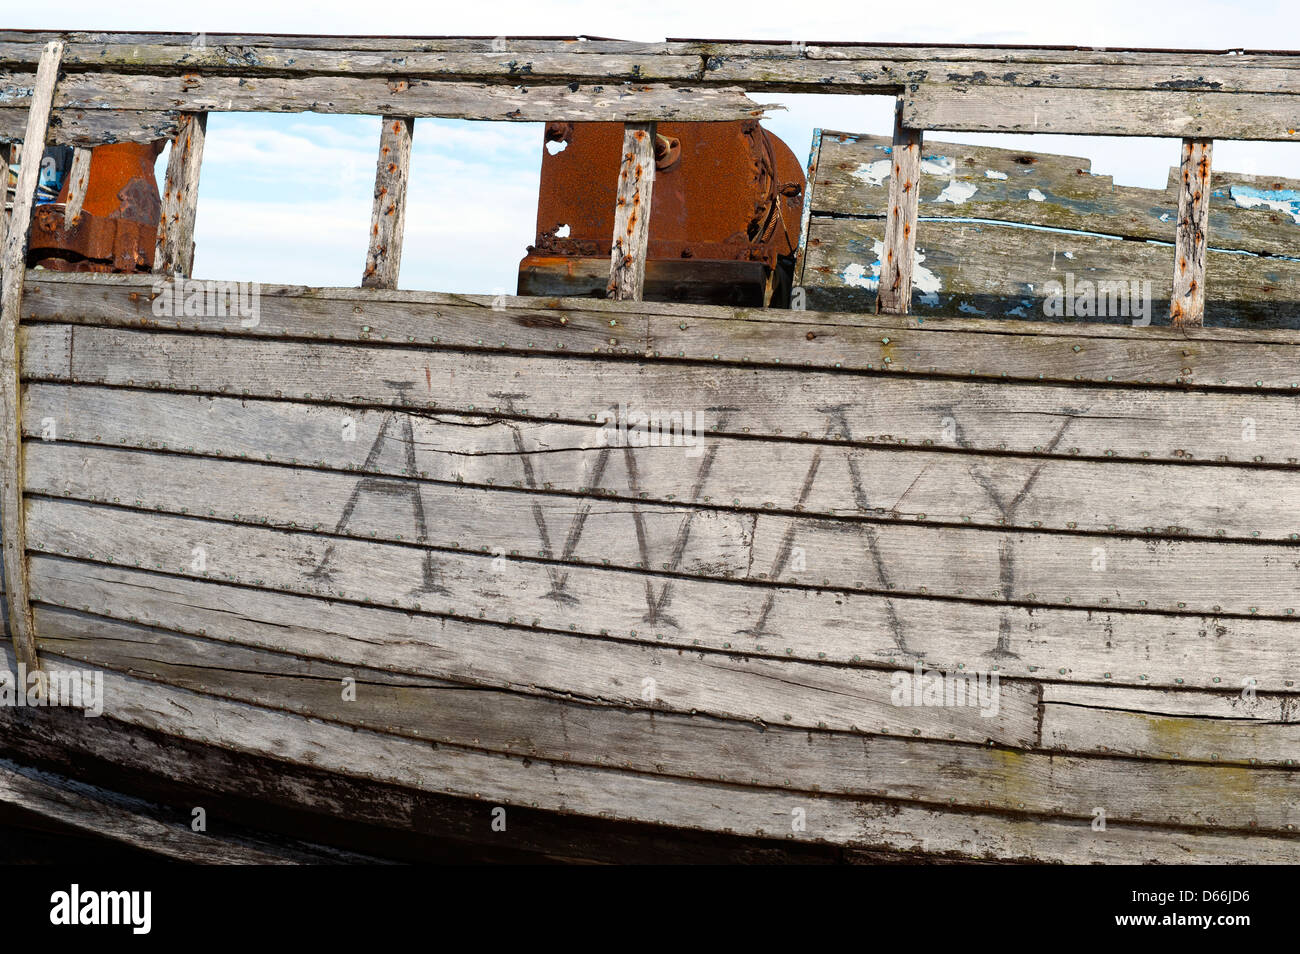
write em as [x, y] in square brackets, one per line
[375, 571]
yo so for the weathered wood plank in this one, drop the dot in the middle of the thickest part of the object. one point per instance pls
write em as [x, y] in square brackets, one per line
[970, 631]
[199, 93]
[953, 561]
[631, 241]
[93, 127]
[1012, 275]
[885, 483]
[960, 181]
[13, 268]
[1083, 421]
[174, 254]
[636, 673]
[1020, 350]
[130, 821]
[1187, 306]
[78, 178]
[895, 291]
[687, 746]
[1235, 726]
[682, 803]
[1175, 114]
[388, 215]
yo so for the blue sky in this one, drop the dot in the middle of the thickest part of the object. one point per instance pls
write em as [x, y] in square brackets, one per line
[286, 197]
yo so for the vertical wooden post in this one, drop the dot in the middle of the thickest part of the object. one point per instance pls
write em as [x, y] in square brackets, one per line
[78, 176]
[1188, 305]
[10, 152]
[174, 254]
[636, 179]
[894, 294]
[388, 217]
[14, 270]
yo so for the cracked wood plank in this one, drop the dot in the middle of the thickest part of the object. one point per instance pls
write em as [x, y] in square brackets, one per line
[1187, 306]
[960, 181]
[13, 263]
[174, 254]
[688, 804]
[388, 215]
[1109, 422]
[631, 242]
[894, 294]
[78, 177]
[1174, 114]
[672, 744]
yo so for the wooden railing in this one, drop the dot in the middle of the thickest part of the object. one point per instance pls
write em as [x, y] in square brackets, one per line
[85, 89]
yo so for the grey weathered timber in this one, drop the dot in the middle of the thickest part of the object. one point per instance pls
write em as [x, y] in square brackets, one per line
[1011, 273]
[140, 825]
[1187, 306]
[822, 625]
[78, 178]
[960, 181]
[1170, 575]
[774, 66]
[631, 241]
[1228, 726]
[1175, 114]
[620, 794]
[388, 214]
[94, 127]
[916, 770]
[13, 268]
[879, 482]
[1072, 352]
[895, 292]
[1107, 421]
[200, 93]
[10, 153]
[174, 254]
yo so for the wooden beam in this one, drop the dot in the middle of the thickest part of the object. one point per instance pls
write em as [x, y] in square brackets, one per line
[388, 216]
[1104, 112]
[174, 254]
[1188, 304]
[78, 177]
[14, 268]
[894, 293]
[94, 127]
[636, 179]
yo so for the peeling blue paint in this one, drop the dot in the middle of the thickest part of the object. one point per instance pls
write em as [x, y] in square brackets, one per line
[1286, 201]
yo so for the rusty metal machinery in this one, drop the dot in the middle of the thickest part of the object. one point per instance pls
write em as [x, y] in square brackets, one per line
[117, 227]
[724, 219]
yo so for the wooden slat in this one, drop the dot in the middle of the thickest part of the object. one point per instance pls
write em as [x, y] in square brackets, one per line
[93, 127]
[960, 181]
[14, 265]
[672, 744]
[174, 254]
[1187, 306]
[78, 179]
[143, 826]
[1009, 275]
[883, 483]
[618, 794]
[1006, 349]
[1181, 115]
[895, 290]
[388, 215]
[198, 93]
[975, 415]
[1227, 727]
[631, 241]
[1062, 644]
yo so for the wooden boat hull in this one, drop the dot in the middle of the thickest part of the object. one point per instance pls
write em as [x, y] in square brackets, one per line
[397, 540]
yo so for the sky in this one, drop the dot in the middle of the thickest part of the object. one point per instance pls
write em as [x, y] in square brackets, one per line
[286, 198]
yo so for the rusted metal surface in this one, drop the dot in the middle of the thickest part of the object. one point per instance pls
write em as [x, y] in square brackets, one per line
[117, 227]
[727, 192]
